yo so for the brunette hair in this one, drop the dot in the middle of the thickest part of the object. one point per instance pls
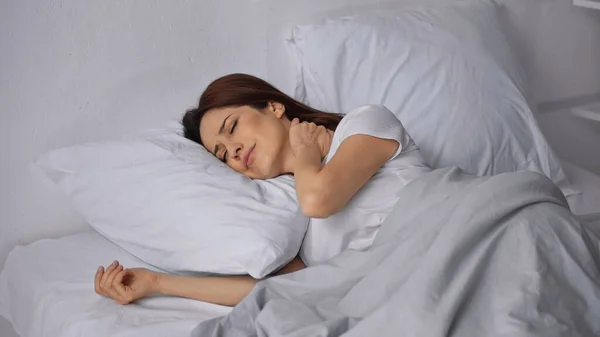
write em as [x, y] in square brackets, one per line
[241, 89]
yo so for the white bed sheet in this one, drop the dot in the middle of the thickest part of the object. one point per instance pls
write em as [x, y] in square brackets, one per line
[46, 290]
[588, 201]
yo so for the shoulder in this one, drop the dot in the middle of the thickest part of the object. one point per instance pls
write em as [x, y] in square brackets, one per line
[369, 119]
[376, 121]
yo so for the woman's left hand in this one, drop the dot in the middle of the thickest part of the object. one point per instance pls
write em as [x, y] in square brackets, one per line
[306, 135]
[125, 285]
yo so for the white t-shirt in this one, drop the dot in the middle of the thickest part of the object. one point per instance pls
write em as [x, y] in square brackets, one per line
[355, 226]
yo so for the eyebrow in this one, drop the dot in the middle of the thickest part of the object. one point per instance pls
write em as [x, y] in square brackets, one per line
[223, 125]
[220, 132]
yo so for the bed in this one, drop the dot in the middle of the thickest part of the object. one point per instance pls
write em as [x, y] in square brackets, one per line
[46, 288]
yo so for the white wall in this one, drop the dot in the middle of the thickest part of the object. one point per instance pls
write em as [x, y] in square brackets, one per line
[75, 71]
[559, 47]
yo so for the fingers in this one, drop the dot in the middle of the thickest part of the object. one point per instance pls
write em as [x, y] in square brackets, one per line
[113, 273]
[97, 280]
[119, 288]
[108, 271]
[307, 133]
[307, 126]
[109, 282]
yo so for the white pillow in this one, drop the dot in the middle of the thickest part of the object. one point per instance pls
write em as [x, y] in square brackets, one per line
[446, 70]
[170, 203]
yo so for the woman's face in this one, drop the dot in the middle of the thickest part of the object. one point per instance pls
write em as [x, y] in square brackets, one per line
[252, 142]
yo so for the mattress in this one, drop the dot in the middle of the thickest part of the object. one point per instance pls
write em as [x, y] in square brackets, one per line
[46, 288]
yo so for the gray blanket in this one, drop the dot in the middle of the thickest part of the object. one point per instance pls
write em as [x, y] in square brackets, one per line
[458, 256]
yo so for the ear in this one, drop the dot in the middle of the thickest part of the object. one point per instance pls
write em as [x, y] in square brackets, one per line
[277, 109]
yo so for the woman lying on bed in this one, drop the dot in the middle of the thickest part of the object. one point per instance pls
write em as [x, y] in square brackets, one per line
[347, 170]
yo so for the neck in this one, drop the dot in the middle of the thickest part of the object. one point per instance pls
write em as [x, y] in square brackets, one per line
[288, 159]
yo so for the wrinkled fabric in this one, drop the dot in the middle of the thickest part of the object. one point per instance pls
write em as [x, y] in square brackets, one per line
[458, 256]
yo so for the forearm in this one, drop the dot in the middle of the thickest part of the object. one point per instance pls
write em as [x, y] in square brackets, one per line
[306, 176]
[308, 161]
[227, 290]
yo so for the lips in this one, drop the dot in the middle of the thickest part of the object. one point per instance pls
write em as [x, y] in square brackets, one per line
[249, 158]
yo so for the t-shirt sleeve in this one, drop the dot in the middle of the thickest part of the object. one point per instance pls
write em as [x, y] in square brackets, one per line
[376, 121]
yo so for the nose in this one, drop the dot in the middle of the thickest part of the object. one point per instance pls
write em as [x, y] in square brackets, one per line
[235, 150]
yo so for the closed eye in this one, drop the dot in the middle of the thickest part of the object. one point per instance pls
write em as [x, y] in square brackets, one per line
[225, 154]
[224, 159]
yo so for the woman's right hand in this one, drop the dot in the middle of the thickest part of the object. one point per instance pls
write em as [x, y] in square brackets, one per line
[306, 134]
[125, 285]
